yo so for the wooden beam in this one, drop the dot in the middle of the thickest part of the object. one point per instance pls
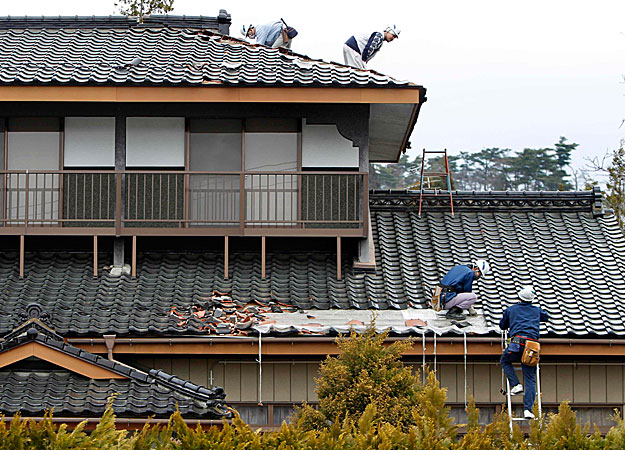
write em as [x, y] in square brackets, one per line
[147, 94]
[22, 256]
[226, 257]
[58, 358]
[339, 274]
[262, 256]
[134, 256]
[95, 256]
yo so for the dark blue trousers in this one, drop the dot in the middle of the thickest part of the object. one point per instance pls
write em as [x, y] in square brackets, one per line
[529, 376]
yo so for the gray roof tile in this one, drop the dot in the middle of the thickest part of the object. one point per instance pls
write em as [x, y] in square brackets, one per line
[70, 394]
[66, 54]
[574, 256]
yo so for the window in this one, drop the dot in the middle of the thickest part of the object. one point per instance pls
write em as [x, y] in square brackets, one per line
[215, 146]
[33, 144]
[89, 142]
[155, 142]
[271, 145]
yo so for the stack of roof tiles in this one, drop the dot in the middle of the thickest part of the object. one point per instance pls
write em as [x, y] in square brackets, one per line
[560, 242]
[185, 55]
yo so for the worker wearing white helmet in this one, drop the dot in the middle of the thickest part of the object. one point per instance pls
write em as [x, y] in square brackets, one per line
[272, 34]
[360, 48]
[523, 321]
[457, 288]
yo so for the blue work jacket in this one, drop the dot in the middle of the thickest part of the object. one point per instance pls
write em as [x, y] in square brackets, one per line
[523, 319]
[460, 278]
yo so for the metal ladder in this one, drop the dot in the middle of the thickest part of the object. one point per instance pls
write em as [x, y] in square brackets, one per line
[509, 396]
[446, 174]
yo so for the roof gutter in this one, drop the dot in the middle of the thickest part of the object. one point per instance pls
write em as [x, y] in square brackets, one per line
[295, 339]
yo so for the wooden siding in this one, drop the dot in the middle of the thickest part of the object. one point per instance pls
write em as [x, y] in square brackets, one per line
[294, 382]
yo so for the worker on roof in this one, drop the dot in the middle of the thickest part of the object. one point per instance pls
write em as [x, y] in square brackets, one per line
[457, 288]
[523, 321]
[273, 34]
[360, 48]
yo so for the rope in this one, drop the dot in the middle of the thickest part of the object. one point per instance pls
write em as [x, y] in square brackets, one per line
[465, 370]
[434, 353]
[423, 363]
[260, 368]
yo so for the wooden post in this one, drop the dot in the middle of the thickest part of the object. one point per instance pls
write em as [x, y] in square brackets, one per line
[95, 256]
[226, 257]
[262, 256]
[118, 204]
[339, 275]
[22, 256]
[134, 256]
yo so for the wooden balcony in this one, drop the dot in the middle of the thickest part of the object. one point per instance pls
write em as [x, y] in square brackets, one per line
[183, 203]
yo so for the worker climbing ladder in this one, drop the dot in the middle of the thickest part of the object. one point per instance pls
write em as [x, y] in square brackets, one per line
[509, 396]
[444, 176]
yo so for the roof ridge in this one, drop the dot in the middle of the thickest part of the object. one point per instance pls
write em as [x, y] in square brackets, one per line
[572, 201]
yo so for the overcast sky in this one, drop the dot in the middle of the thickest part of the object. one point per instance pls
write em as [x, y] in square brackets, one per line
[498, 73]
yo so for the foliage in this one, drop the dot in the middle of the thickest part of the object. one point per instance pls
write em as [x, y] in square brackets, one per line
[142, 8]
[615, 172]
[366, 372]
[415, 417]
[489, 169]
[433, 429]
[616, 185]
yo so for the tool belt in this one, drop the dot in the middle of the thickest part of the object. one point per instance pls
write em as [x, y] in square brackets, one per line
[440, 296]
[531, 353]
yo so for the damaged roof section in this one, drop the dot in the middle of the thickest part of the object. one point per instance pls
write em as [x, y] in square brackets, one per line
[39, 371]
[563, 243]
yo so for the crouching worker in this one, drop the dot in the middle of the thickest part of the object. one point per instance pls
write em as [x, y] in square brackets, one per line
[456, 288]
[523, 321]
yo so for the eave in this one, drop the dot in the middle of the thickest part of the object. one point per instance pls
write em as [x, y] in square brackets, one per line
[210, 94]
[323, 346]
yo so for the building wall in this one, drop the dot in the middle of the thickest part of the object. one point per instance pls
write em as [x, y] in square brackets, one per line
[593, 388]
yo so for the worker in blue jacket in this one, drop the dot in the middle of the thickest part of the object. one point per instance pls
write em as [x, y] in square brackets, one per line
[523, 321]
[457, 288]
[360, 48]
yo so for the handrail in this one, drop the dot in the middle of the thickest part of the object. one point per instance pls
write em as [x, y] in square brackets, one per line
[180, 172]
[314, 202]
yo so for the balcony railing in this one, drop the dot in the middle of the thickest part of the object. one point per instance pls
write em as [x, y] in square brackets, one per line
[183, 203]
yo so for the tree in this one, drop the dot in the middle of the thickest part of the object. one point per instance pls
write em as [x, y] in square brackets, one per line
[142, 8]
[365, 372]
[615, 171]
[490, 169]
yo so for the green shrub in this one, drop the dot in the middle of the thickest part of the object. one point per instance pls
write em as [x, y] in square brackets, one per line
[365, 372]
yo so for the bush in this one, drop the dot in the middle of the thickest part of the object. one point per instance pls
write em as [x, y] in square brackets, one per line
[365, 372]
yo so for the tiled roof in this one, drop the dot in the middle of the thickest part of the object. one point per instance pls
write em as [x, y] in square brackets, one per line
[561, 242]
[169, 56]
[70, 394]
[140, 393]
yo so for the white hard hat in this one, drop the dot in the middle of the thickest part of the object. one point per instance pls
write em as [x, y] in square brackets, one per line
[245, 30]
[393, 29]
[527, 294]
[483, 266]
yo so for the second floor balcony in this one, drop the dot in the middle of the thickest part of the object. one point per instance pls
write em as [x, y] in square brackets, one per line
[179, 203]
